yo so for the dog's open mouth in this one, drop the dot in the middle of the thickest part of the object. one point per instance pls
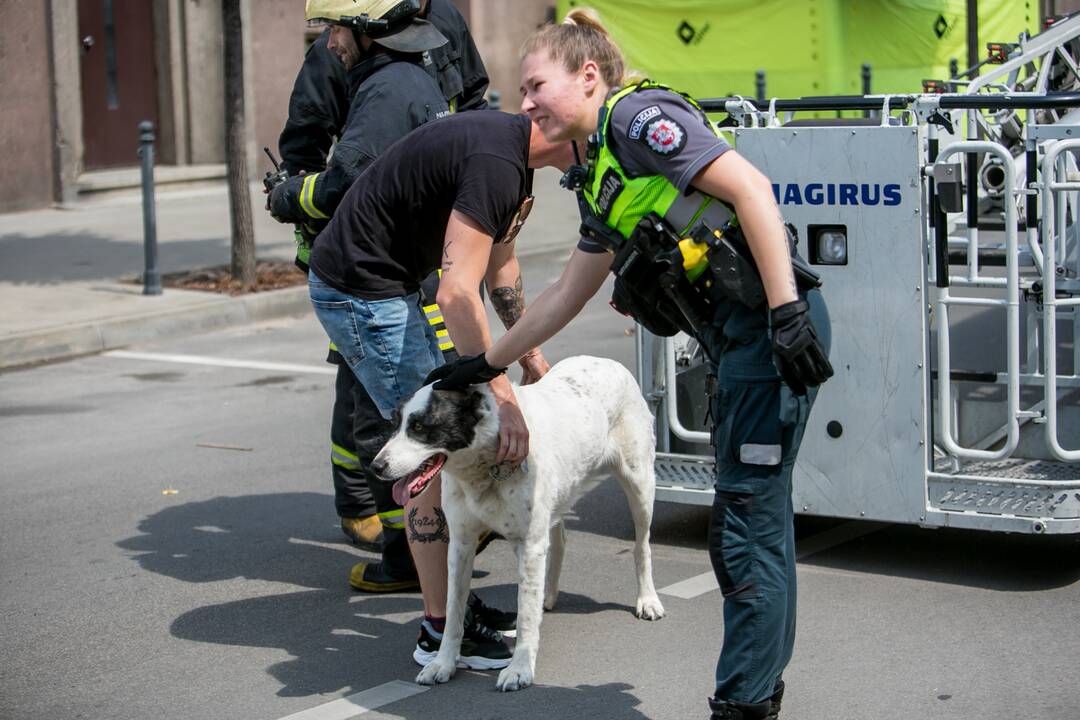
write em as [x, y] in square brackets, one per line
[417, 481]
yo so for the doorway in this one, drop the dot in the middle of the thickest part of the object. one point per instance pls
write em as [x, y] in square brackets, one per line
[119, 79]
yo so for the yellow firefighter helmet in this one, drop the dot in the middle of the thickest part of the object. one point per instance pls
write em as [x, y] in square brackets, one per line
[391, 23]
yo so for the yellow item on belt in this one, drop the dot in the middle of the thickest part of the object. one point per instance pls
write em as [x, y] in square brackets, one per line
[695, 259]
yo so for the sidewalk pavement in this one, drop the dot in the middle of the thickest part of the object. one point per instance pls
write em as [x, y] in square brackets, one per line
[66, 275]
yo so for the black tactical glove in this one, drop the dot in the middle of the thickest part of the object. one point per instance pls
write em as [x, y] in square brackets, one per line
[798, 353]
[284, 201]
[463, 372]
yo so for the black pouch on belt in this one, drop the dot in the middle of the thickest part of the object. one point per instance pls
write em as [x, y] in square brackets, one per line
[638, 266]
[734, 271]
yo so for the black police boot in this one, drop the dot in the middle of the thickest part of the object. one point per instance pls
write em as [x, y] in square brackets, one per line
[774, 702]
[729, 710]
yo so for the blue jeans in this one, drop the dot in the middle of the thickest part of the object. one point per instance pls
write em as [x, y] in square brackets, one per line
[759, 426]
[388, 344]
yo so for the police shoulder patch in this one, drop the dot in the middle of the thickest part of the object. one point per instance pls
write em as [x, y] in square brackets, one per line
[664, 136]
[638, 123]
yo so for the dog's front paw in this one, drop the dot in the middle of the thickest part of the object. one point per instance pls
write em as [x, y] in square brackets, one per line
[649, 608]
[549, 599]
[436, 672]
[514, 677]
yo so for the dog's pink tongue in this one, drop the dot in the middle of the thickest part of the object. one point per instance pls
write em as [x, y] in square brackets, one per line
[400, 491]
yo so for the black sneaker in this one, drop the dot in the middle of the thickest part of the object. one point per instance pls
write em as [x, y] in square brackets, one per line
[481, 647]
[502, 620]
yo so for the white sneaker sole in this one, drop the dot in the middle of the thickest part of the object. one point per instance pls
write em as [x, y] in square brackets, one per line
[476, 662]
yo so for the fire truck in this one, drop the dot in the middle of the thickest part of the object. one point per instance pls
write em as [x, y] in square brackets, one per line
[944, 227]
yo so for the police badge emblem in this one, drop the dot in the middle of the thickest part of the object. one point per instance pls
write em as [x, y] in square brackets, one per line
[664, 136]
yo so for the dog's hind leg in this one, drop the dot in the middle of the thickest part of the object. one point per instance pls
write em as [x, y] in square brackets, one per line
[633, 468]
[554, 564]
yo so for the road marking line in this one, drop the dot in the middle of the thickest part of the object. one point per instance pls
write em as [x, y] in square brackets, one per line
[221, 362]
[706, 582]
[360, 703]
[687, 589]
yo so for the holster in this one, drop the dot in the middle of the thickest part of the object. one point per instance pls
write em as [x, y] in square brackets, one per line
[734, 272]
[651, 284]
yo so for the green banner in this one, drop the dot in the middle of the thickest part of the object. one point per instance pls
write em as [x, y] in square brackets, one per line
[712, 48]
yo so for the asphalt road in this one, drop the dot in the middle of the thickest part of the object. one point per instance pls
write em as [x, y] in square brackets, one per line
[169, 549]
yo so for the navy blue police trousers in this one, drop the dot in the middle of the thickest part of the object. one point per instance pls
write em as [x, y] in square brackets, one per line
[758, 427]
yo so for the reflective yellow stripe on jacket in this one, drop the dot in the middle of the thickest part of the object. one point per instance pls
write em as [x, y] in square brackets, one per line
[435, 319]
[307, 193]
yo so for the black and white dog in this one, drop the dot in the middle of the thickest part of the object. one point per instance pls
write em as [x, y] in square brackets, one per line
[586, 415]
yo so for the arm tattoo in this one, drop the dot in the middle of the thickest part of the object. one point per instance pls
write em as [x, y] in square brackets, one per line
[509, 303]
[428, 529]
[447, 263]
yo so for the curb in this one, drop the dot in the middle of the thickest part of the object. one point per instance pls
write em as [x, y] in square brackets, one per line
[218, 312]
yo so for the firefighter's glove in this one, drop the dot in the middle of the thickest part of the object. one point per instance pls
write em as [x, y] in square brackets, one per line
[305, 237]
[284, 201]
[463, 372]
[798, 353]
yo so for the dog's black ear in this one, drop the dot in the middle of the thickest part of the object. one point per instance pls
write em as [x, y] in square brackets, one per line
[470, 401]
[475, 400]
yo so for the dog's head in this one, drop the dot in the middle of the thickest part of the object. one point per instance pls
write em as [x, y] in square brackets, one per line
[431, 425]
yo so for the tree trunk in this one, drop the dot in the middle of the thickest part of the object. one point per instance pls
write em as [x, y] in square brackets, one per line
[243, 233]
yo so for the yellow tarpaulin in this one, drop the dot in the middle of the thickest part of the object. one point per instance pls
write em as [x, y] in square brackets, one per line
[712, 48]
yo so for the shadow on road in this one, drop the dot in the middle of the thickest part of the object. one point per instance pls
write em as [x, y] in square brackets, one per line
[80, 255]
[991, 561]
[337, 640]
[261, 537]
[478, 700]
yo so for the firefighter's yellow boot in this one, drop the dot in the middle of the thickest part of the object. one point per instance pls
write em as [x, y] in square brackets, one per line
[364, 532]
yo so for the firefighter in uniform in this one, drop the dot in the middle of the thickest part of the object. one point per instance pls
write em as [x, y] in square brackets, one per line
[388, 98]
[696, 242]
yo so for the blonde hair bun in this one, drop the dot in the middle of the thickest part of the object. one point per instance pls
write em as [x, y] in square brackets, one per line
[581, 36]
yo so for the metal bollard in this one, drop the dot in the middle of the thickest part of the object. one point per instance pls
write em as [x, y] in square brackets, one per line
[495, 100]
[151, 276]
[759, 86]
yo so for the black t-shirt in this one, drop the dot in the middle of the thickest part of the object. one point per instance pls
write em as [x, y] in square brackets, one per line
[387, 233]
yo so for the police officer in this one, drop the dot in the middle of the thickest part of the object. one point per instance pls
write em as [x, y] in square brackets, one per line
[660, 181]
[378, 58]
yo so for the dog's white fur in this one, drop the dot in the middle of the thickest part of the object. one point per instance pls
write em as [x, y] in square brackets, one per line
[586, 415]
